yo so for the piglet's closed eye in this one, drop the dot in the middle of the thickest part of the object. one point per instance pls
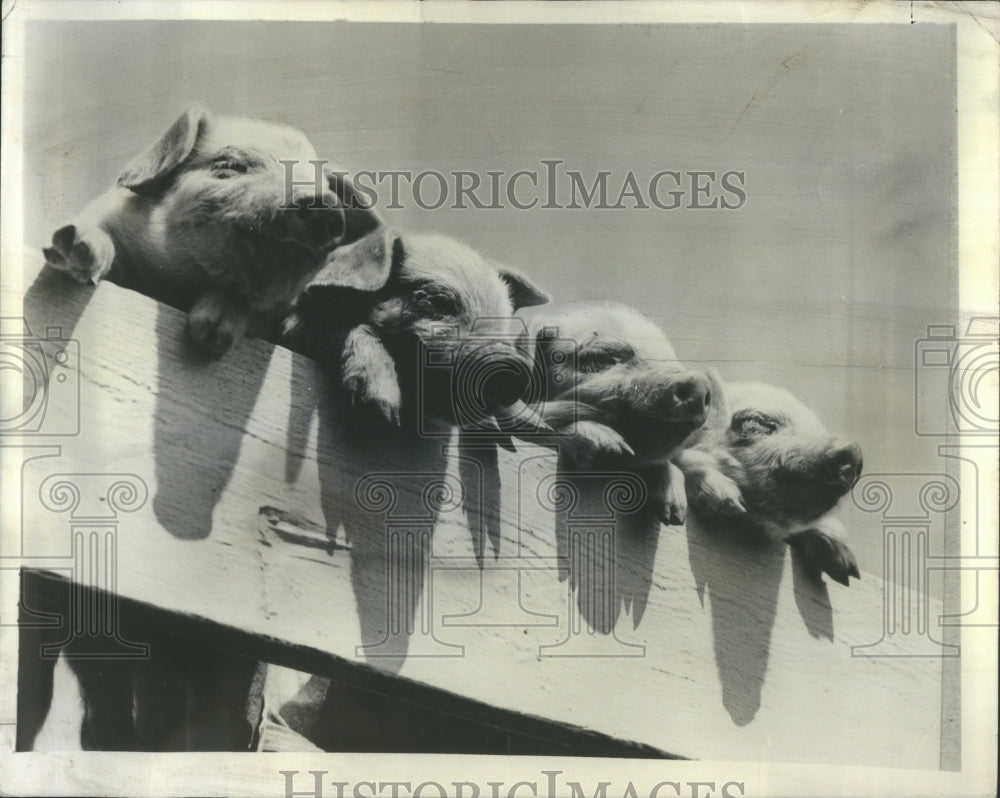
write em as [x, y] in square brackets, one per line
[749, 423]
[171, 150]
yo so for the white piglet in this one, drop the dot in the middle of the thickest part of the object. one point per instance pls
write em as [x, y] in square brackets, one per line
[225, 217]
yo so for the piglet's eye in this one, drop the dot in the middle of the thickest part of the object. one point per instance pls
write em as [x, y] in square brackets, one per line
[442, 304]
[750, 424]
[433, 303]
[753, 427]
[422, 300]
[224, 169]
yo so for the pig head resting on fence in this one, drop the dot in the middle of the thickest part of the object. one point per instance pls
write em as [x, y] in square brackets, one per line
[225, 217]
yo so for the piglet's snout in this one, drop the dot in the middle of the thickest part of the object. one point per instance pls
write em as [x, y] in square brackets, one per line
[692, 393]
[842, 466]
[492, 376]
[314, 220]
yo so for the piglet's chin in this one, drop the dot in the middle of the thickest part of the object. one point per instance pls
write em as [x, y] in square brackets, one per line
[691, 434]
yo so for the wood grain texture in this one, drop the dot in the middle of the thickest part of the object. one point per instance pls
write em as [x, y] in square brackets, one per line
[694, 641]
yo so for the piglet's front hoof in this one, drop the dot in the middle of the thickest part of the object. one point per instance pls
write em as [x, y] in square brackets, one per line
[388, 410]
[87, 255]
[585, 442]
[716, 494]
[382, 396]
[824, 554]
[215, 323]
[673, 513]
[673, 502]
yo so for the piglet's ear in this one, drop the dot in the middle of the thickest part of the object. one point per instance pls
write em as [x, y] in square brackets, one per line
[363, 266]
[163, 156]
[523, 294]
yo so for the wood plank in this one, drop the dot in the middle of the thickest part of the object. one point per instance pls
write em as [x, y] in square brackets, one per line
[706, 645]
[465, 724]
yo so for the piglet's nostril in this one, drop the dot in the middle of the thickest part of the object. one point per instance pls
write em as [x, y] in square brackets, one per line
[685, 390]
[708, 398]
[845, 465]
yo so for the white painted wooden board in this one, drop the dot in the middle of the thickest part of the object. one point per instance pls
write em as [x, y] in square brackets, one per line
[718, 649]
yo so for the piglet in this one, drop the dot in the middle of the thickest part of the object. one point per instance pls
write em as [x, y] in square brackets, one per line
[774, 466]
[615, 392]
[420, 328]
[225, 217]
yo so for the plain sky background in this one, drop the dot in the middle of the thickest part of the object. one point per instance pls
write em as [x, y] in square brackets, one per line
[822, 282]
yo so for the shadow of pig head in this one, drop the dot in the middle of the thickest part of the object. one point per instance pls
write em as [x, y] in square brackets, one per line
[421, 327]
